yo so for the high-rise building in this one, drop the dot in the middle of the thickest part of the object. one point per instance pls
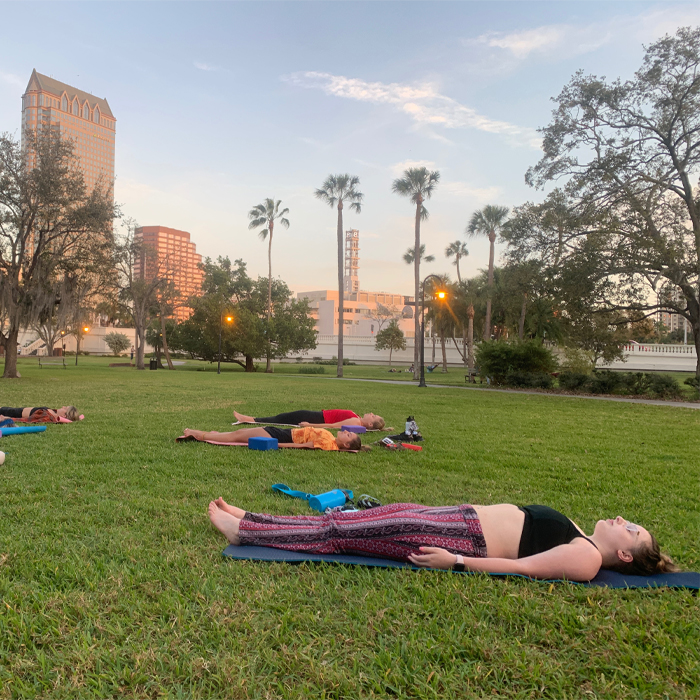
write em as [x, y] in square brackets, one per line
[78, 115]
[351, 282]
[177, 257]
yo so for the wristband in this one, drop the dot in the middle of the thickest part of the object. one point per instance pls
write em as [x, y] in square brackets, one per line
[459, 563]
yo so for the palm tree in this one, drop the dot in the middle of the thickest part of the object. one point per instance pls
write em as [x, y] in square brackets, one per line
[264, 215]
[418, 184]
[335, 191]
[410, 255]
[457, 250]
[488, 222]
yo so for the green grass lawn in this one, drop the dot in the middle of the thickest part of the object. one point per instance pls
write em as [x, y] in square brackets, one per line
[112, 582]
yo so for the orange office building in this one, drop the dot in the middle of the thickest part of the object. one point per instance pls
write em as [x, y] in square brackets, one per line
[177, 257]
[78, 115]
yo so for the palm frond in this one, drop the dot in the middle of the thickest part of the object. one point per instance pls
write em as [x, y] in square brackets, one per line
[285, 222]
[256, 223]
[262, 235]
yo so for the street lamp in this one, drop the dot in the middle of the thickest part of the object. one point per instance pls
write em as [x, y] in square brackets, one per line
[229, 319]
[440, 294]
[84, 329]
[63, 345]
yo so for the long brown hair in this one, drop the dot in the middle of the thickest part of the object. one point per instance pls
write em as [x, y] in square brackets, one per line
[647, 559]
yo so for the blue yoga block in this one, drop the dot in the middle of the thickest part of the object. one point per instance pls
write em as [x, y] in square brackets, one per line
[262, 443]
[354, 428]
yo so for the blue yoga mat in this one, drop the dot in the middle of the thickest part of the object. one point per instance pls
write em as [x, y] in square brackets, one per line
[606, 579]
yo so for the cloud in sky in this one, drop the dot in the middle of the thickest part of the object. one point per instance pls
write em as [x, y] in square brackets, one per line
[423, 104]
[566, 40]
[206, 66]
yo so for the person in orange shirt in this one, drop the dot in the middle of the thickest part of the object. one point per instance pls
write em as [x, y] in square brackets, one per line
[309, 437]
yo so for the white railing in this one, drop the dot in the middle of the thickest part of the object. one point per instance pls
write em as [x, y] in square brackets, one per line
[659, 348]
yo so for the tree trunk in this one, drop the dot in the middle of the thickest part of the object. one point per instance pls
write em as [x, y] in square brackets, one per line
[416, 274]
[464, 346]
[432, 333]
[10, 344]
[165, 341]
[444, 352]
[696, 337]
[523, 310]
[341, 295]
[249, 364]
[492, 251]
[391, 349]
[268, 363]
[140, 345]
[470, 338]
[459, 277]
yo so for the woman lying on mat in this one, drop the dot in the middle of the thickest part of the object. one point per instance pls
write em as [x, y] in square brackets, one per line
[69, 412]
[334, 418]
[535, 541]
[289, 437]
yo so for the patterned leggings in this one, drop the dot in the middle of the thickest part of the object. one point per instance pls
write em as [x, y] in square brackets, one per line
[393, 531]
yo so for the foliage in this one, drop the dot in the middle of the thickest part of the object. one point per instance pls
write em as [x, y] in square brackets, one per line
[409, 256]
[229, 290]
[53, 235]
[529, 380]
[664, 386]
[117, 342]
[311, 369]
[458, 250]
[577, 360]
[573, 380]
[630, 158]
[391, 338]
[384, 313]
[604, 382]
[496, 358]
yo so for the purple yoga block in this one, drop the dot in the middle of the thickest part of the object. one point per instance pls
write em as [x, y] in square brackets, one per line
[354, 428]
[262, 443]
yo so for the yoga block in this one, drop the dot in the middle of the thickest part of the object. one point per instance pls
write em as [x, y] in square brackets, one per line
[354, 428]
[261, 443]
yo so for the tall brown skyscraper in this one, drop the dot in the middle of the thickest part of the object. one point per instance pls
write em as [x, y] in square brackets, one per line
[178, 257]
[78, 115]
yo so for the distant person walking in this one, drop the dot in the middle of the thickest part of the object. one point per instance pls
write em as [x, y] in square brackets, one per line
[132, 352]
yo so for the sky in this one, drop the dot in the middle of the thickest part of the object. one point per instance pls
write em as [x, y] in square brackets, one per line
[220, 105]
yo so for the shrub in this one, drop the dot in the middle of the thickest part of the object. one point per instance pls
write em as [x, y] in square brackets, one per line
[496, 358]
[663, 386]
[692, 381]
[117, 342]
[530, 380]
[577, 360]
[311, 369]
[636, 383]
[572, 381]
[604, 382]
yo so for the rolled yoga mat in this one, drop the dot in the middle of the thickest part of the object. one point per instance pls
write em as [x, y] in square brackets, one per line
[22, 429]
[605, 578]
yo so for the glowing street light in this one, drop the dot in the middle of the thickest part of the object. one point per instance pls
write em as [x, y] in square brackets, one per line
[442, 295]
[229, 320]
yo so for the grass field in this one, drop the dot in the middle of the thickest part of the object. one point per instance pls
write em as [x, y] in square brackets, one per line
[112, 582]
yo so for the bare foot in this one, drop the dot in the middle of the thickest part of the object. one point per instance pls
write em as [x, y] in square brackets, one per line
[232, 510]
[197, 434]
[243, 419]
[224, 522]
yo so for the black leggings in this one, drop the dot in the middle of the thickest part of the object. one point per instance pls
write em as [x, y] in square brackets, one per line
[282, 435]
[10, 412]
[294, 418]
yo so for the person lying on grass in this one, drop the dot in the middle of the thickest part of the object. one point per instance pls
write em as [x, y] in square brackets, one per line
[535, 541]
[68, 412]
[334, 418]
[309, 438]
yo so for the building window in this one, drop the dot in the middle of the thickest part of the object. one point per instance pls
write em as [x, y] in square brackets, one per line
[75, 108]
[86, 111]
[41, 100]
[96, 116]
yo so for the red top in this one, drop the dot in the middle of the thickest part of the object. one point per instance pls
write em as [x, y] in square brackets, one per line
[337, 414]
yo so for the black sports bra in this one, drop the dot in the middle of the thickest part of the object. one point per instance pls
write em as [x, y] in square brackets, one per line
[545, 528]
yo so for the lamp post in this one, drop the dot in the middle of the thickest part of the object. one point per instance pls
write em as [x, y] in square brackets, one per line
[84, 329]
[441, 294]
[63, 345]
[229, 319]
